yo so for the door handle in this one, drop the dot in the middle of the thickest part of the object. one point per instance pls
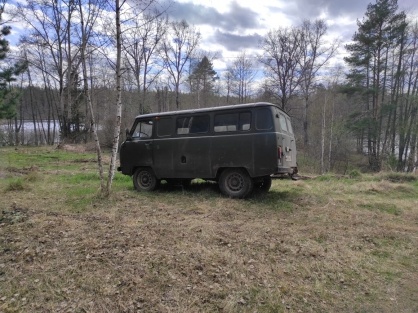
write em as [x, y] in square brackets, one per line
[148, 145]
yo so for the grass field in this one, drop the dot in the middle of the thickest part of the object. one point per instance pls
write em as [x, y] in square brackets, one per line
[326, 244]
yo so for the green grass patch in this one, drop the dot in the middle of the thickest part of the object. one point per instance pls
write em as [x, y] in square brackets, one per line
[80, 198]
[42, 157]
[381, 254]
[382, 207]
[277, 200]
[389, 275]
[400, 177]
[325, 177]
[79, 178]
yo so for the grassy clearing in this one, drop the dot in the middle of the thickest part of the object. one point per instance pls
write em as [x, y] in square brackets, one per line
[346, 243]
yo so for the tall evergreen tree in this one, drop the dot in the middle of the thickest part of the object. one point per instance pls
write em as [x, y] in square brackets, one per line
[202, 81]
[8, 96]
[378, 34]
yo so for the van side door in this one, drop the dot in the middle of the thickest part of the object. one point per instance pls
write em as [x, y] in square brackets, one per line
[163, 147]
[191, 154]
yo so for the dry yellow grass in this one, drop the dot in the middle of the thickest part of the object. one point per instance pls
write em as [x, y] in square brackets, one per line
[319, 245]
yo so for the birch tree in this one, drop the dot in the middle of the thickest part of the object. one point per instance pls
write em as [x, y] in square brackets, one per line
[119, 9]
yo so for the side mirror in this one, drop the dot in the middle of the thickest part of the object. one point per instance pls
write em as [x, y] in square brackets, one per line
[128, 135]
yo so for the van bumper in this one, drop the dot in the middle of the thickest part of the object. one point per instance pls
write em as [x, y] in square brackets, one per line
[283, 170]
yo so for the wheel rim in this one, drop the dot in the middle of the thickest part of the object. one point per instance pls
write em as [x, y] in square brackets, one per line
[235, 182]
[145, 179]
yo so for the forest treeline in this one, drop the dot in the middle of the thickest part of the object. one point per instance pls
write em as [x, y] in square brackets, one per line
[73, 67]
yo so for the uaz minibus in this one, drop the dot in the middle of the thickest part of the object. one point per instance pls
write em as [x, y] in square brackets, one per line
[238, 146]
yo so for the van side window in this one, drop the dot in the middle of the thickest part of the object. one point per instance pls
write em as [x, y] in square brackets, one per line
[182, 125]
[289, 126]
[164, 127]
[283, 124]
[200, 124]
[232, 122]
[245, 121]
[263, 119]
[192, 125]
[225, 122]
[143, 129]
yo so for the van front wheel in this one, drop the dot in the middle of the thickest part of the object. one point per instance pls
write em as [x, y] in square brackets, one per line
[145, 180]
[235, 183]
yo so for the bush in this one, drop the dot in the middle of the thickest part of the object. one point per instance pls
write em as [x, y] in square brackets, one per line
[354, 174]
[16, 185]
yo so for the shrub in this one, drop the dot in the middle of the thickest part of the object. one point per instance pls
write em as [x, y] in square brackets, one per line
[354, 174]
[16, 185]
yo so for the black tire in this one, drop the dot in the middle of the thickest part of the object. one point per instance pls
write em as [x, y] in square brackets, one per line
[264, 185]
[235, 183]
[145, 179]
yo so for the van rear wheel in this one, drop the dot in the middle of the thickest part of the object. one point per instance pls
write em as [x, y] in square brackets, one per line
[145, 179]
[235, 183]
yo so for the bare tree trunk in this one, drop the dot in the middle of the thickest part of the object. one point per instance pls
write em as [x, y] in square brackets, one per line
[35, 129]
[331, 132]
[323, 135]
[305, 123]
[116, 131]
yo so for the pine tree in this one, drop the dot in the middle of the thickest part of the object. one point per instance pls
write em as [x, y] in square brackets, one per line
[378, 34]
[8, 96]
[202, 81]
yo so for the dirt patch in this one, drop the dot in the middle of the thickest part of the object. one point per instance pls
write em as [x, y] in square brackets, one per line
[13, 215]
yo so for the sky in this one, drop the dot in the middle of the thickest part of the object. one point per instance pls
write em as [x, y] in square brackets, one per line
[232, 27]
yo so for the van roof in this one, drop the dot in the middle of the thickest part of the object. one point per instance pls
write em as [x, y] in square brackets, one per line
[203, 110]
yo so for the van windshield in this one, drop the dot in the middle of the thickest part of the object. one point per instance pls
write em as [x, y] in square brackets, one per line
[143, 129]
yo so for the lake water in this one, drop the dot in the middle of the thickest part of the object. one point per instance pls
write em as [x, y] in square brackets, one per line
[27, 133]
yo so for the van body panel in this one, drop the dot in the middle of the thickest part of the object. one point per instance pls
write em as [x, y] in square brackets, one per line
[191, 157]
[265, 153]
[135, 153]
[163, 157]
[232, 150]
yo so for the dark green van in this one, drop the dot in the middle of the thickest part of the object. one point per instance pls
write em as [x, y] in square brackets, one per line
[239, 146]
